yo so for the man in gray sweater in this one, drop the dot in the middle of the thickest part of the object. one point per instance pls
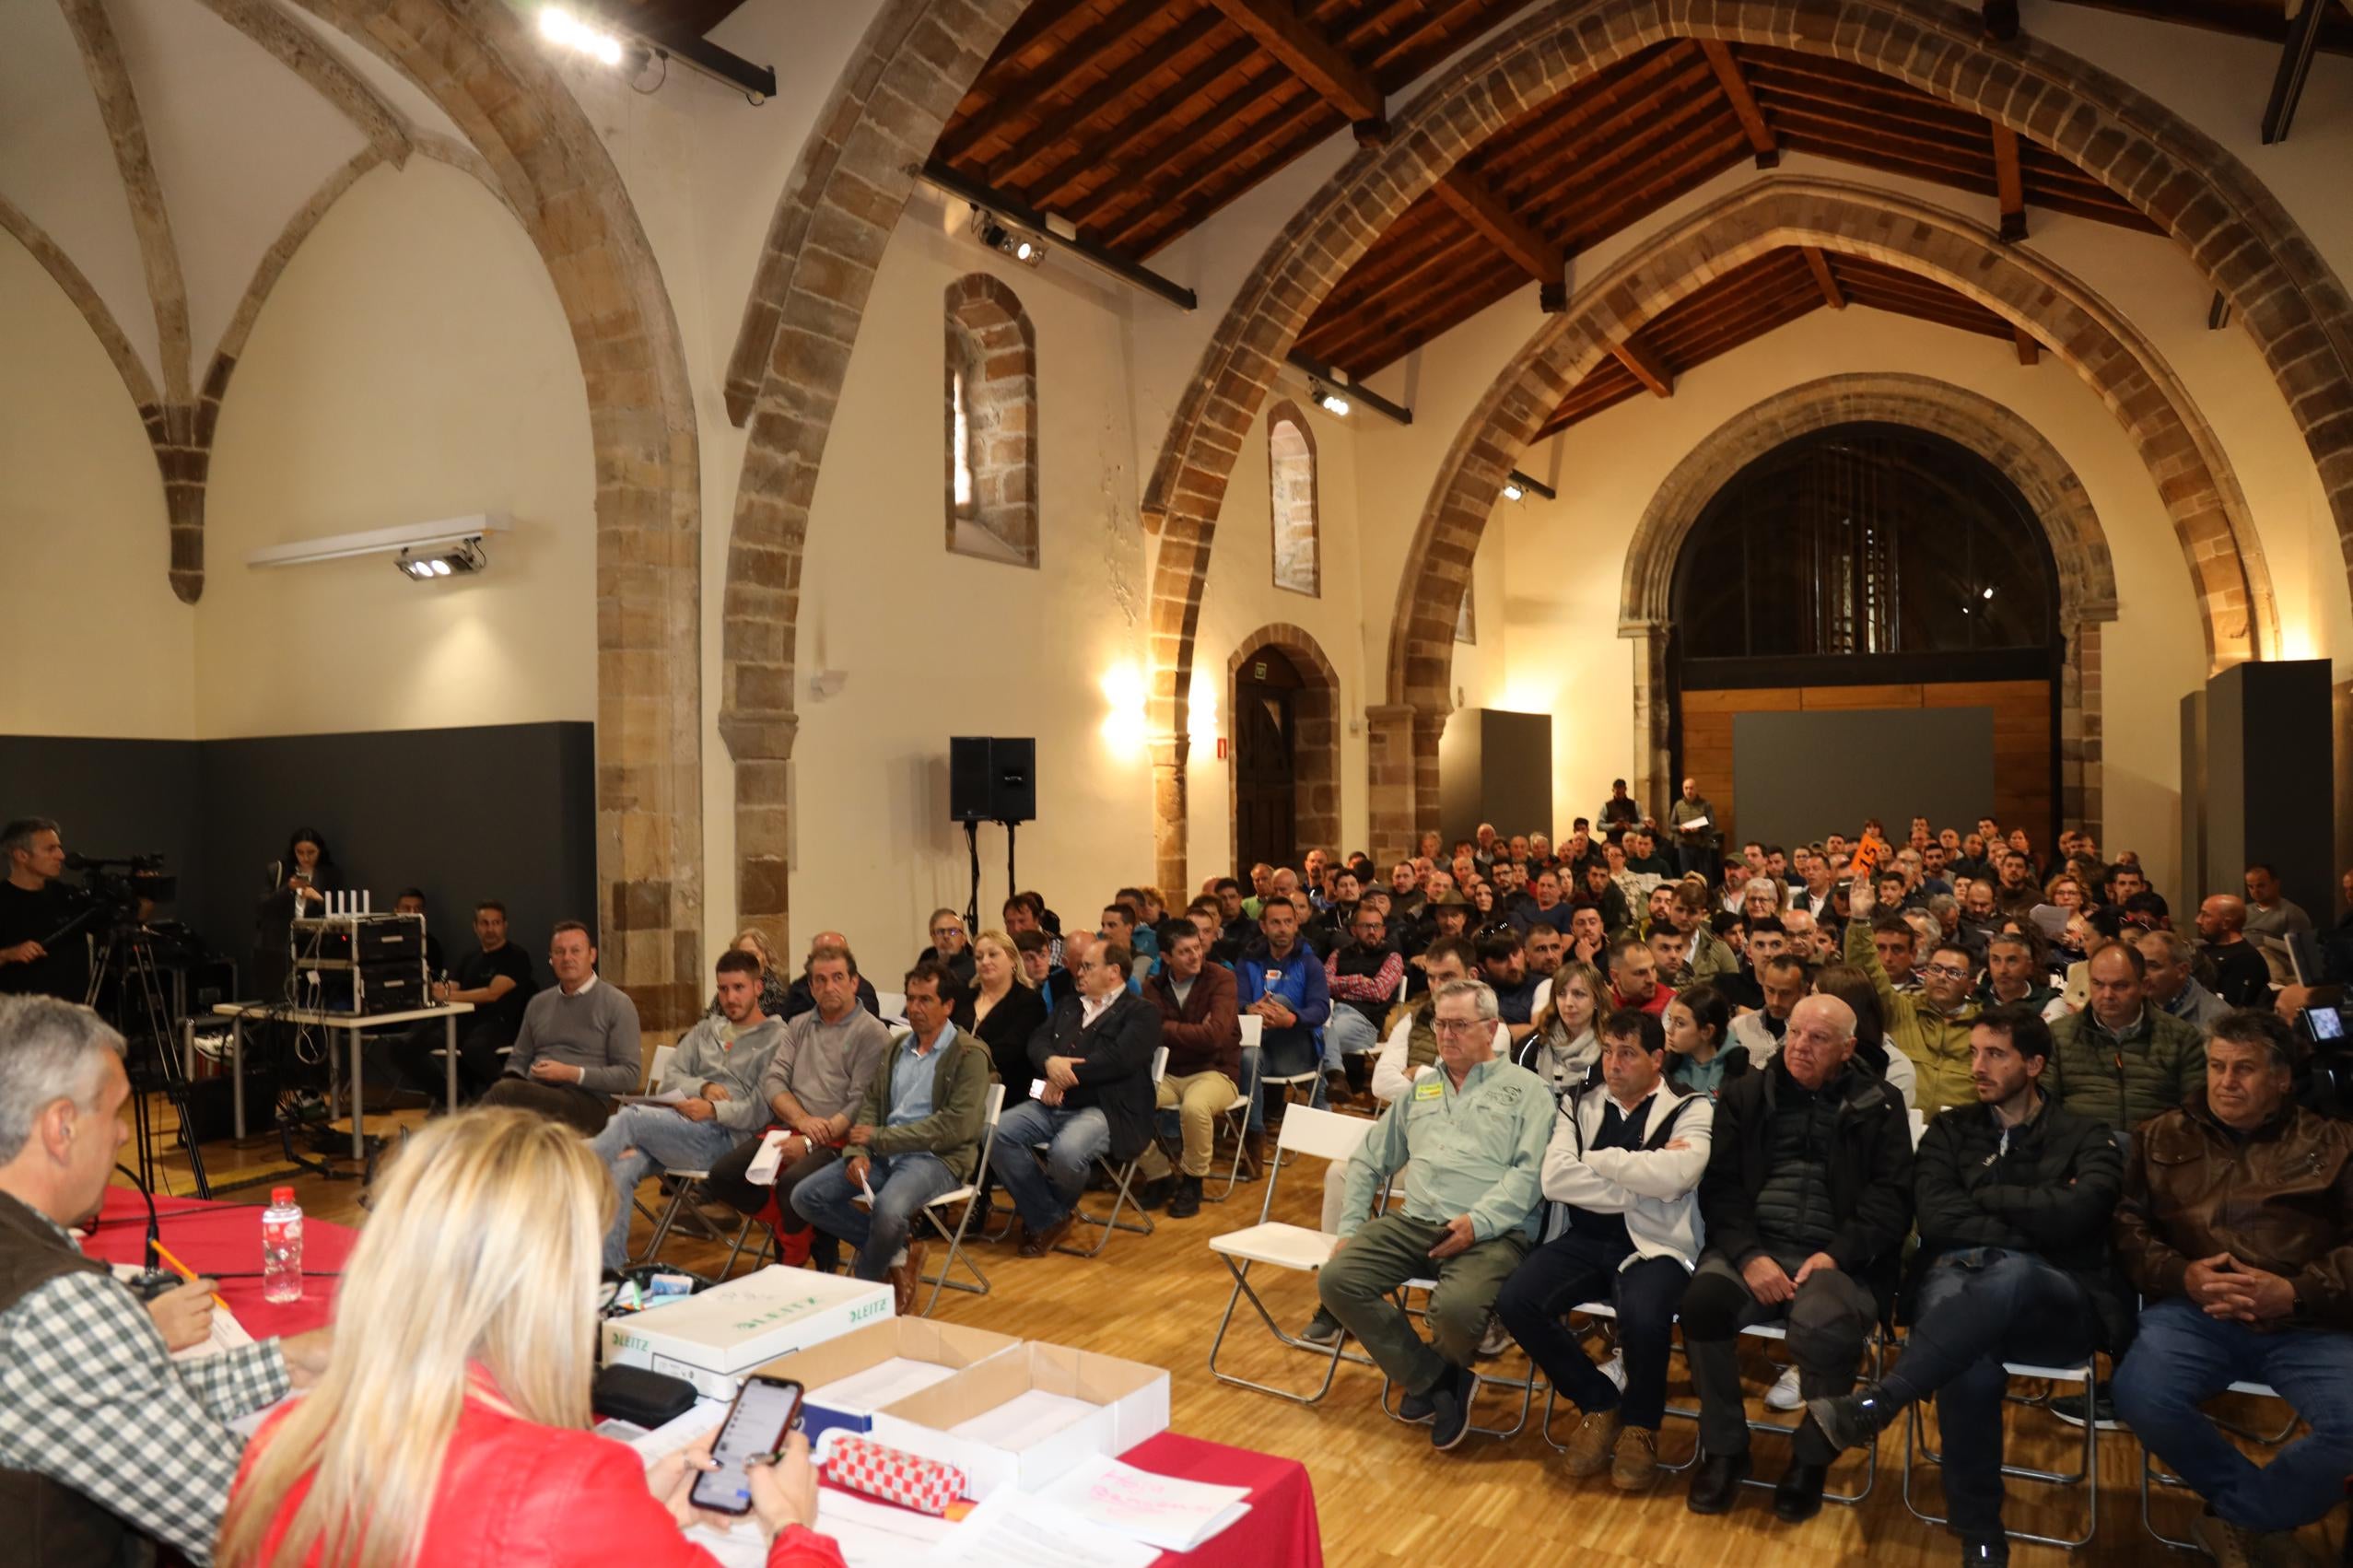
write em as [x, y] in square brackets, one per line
[579, 1044]
[716, 1072]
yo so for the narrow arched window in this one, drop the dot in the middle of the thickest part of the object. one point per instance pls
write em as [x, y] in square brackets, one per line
[1291, 472]
[990, 400]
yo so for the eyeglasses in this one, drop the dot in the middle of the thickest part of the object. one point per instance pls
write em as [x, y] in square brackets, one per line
[1460, 1026]
[1944, 971]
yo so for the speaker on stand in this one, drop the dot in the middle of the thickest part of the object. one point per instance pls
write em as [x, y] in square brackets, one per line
[991, 779]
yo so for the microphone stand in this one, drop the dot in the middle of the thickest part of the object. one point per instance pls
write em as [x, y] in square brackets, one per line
[153, 1281]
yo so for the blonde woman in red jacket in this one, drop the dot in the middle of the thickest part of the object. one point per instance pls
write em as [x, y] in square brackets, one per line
[450, 1427]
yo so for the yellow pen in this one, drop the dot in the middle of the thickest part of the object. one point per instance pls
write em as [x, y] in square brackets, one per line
[184, 1271]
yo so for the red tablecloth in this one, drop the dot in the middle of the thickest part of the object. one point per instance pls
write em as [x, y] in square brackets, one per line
[1279, 1531]
[208, 1236]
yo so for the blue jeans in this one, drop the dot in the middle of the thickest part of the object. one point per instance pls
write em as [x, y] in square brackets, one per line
[1978, 1309]
[2183, 1357]
[903, 1184]
[657, 1139]
[1285, 1055]
[1072, 1140]
[1572, 1270]
[1348, 1034]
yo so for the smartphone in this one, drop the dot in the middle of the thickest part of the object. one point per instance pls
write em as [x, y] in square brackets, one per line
[766, 1410]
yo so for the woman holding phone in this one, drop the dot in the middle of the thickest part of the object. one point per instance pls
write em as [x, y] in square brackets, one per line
[450, 1427]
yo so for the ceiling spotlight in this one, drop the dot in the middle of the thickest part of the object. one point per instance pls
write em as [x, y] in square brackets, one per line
[1512, 492]
[426, 564]
[1020, 244]
[1988, 593]
[1327, 400]
[559, 26]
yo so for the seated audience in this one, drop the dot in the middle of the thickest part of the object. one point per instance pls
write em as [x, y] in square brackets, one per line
[1503, 966]
[2014, 1196]
[801, 998]
[718, 1066]
[1705, 958]
[1701, 1059]
[1366, 978]
[1872, 1050]
[460, 1436]
[2017, 974]
[776, 992]
[1897, 944]
[1200, 1025]
[1633, 978]
[814, 1081]
[1624, 1163]
[916, 1135]
[2272, 919]
[2236, 1229]
[410, 901]
[1474, 1132]
[1564, 1049]
[2242, 974]
[1807, 1202]
[2121, 1060]
[1601, 893]
[497, 982]
[1545, 905]
[107, 1440]
[1040, 972]
[1006, 1008]
[1281, 982]
[2170, 986]
[950, 946]
[1932, 1029]
[579, 1044]
[1095, 1055]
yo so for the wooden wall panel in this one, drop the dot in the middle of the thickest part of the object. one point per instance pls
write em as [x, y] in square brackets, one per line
[2022, 738]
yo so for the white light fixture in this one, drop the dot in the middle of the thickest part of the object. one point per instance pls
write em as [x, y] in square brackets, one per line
[558, 26]
[1989, 593]
[998, 234]
[429, 564]
[1327, 400]
[420, 539]
[1512, 492]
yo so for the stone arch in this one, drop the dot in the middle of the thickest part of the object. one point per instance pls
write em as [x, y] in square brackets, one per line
[1297, 541]
[2186, 463]
[990, 389]
[2234, 230]
[784, 376]
[548, 165]
[2024, 457]
[1315, 743]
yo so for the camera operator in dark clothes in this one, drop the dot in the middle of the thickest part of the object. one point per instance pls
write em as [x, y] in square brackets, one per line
[497, 977]
[34, 908]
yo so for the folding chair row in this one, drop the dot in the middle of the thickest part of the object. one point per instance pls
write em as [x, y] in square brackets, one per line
[1123, 1179]
[2085, 1475]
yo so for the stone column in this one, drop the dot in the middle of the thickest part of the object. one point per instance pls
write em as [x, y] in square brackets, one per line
[1170, 798]
[1390, 781]
[1654, 757]
[761, 745]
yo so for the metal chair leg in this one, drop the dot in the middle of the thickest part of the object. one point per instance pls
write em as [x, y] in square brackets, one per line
[956, 1253]
[1241, 1288]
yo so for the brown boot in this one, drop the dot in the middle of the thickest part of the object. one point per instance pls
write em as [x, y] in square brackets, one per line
[907, 1278]
[1254, 1154]
[1591, 1443]
[1635, 1469]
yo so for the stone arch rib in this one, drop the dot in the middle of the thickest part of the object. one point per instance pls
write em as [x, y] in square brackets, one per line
[102, 325]
[295, 48]
[2233, 230]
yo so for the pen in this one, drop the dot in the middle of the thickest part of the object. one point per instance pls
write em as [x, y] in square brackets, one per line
[184, 1271]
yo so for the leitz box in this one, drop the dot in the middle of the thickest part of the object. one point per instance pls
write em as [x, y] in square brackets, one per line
[850, 1376]
[1022, 1419]
[713, 1338]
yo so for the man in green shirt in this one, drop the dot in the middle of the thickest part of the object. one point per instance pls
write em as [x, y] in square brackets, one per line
[1471, 1136]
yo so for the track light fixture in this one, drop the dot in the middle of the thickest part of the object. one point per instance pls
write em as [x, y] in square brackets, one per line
[995, 233]
[1518, 484]
[1327, 400]
[426, 564]
[558, 26]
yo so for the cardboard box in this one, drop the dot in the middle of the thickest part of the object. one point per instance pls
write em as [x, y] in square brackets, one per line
[862, 1349]
[1128, 1403]
[713, 1338]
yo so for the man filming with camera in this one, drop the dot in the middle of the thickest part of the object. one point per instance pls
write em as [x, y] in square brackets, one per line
[34, 906]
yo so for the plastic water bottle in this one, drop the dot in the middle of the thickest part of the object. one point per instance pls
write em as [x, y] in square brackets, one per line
[282, 1248]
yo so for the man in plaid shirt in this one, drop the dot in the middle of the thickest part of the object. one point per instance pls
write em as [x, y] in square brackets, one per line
[105, 1433]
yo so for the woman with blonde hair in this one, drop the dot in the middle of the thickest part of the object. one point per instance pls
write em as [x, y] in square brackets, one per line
[450, 1427]
[775, 990]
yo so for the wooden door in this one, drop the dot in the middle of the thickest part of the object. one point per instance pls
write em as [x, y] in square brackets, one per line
[1266, 761]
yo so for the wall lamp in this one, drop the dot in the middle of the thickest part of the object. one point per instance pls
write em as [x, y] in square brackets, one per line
[1518, 484]
[454, 541]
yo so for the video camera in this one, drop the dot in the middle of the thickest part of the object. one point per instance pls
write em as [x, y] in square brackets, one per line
[113, 887]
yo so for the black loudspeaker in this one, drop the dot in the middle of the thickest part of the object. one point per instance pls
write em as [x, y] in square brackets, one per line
[992, 779]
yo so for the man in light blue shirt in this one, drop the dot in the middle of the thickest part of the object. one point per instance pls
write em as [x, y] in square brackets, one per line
[1474, 1133]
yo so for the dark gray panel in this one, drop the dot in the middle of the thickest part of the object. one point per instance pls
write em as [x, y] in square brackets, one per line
[2271, 779]
[1517, 772]
[110, 798]
[1800, 776]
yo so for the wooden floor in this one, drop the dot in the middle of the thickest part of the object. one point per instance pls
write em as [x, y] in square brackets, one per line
[1384, 1496]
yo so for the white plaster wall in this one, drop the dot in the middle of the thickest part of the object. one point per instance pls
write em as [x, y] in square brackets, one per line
[95, 640]
[412, 364]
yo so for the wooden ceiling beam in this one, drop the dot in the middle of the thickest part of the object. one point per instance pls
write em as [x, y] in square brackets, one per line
[2009, 186]
[1646, 369]
[1819, 265]
[2000, 19]
[2028, 351]
[1484, 210]
[1011, 94]
[1218, 166]
[1315, 61]
[1153, 119]
[1744, 102]
[1007, 168]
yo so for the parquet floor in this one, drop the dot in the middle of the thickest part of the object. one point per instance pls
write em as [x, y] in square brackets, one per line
[1384, 1496]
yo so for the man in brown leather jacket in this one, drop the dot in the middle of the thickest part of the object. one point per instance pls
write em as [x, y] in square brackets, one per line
[2237, 1226]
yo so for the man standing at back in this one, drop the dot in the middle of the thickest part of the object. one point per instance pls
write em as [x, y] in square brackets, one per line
[579, 1044]
[1697, 832]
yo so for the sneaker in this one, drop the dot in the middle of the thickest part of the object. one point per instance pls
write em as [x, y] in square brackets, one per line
[1593, 1445]
[1985, 1551]
[2227, 1543]
[1853, 1420]
[1495, 1342]
[1614, 1369]
[1451, 1412]
[1322, 1329]
[1416, 1408]
[1635, 1468]
[2068, 1408]
[1784, 1395]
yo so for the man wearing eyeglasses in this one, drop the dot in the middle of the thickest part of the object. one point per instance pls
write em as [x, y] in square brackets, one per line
[951, 947]
[1931, 1026]
[1470, 1137]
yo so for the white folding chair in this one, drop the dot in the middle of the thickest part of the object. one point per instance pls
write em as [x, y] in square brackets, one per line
[2085, 1475]
[2150, 1472]
[1253, 1035]
[1327, 1135]
[1123, 1179]
[939, 1205]
[684, 1185]
[1236, 1117]
[1877, 1346]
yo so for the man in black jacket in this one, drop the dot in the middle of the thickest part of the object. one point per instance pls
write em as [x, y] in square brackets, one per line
[1806, 1202]
[2015, 1195]
[1094, 1053]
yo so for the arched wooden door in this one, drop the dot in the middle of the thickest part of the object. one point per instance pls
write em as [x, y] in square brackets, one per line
[1266, 759]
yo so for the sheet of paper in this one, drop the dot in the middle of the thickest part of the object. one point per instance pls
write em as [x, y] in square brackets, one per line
[870, 1535]
[228, 1334]
[1162, 1510]
[885, 1383]
[670, 1097]
[1014, 1529]
[1025, 1418]
[762, 1171]
[676, 1433]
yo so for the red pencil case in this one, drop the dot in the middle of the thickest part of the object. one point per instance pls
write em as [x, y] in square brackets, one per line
[861, 1465]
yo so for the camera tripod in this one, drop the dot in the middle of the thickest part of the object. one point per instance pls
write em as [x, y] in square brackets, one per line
[128, 956]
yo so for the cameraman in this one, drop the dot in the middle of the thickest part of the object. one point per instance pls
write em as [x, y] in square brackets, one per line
[34, 906]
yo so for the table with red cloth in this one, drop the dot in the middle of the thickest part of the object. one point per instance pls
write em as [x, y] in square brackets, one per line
[225, 1238]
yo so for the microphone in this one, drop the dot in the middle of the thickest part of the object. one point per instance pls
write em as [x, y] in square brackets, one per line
[154, 1281]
